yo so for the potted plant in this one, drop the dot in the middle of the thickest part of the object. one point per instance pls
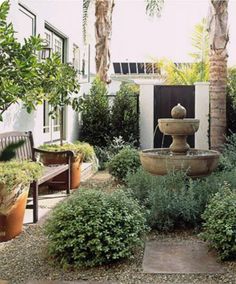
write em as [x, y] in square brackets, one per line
[82, 152]
[15, 179]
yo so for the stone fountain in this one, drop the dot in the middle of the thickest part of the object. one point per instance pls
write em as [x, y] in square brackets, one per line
[179, 156]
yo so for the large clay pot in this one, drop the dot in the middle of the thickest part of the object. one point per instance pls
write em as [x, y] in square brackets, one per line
[59, 182]
[12, 210]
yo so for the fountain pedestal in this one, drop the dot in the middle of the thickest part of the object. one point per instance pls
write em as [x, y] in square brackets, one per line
[179, 146]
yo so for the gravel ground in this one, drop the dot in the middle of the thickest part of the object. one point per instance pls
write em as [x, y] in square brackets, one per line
[25, 258]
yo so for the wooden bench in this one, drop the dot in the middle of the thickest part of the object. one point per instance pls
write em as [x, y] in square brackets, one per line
[28, 152]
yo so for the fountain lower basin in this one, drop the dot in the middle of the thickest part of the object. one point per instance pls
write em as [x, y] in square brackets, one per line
[197, 163]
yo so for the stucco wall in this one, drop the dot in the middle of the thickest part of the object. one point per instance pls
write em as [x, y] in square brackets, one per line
[202, 113]
[146, 116]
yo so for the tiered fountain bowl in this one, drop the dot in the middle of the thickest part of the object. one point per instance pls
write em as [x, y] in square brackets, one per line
[179, 156]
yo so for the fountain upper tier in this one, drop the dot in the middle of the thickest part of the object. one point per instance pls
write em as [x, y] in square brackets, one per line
[179, 128]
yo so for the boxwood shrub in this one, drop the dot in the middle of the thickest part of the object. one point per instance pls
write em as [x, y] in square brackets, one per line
[92, 228]
[220, 223]
[126, 161]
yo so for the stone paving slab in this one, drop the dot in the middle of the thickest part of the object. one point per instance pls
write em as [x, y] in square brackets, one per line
[184, 257]
[46, 203]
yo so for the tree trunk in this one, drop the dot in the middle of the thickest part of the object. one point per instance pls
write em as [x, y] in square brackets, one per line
[218, 32]
[61, 114]
[103, 28]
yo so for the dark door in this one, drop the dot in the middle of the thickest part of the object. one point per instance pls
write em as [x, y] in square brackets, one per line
[165, 98]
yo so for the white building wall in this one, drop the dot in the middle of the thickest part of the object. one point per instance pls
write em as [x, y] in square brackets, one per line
[146, 116]
[66, 17]
[202, 113]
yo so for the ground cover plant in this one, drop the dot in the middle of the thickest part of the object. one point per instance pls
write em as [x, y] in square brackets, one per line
[93, 228]
[173, 200]
[219, 227]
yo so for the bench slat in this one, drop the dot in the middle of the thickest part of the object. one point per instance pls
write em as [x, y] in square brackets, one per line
[51, 172]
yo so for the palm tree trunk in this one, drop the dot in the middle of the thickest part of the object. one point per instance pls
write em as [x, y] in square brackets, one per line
[218, 32]
[103, 28]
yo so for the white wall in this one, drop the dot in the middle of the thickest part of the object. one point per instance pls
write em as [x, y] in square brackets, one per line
[202, 113]
[146, 115]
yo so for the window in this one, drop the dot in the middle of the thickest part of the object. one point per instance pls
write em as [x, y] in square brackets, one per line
[51, 127]
[27, 20]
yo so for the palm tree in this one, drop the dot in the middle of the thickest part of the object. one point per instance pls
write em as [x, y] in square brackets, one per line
[103, 28]
[218, 34]
[218, 31]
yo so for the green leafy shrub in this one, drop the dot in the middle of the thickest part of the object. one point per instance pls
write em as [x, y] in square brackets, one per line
[95, 115]
[93, 227]
[231, 101]
[127, 160]
[220, 223]
[104, 154]
[125, 116]
[172, 200]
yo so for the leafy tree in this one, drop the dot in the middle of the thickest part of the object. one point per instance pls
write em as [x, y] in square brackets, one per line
[60, 86]
[200, 41]
[189, 73]
[95, 115]
[21, 76]
[124, 115]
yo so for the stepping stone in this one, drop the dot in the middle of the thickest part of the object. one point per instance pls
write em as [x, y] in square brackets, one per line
[184, 257]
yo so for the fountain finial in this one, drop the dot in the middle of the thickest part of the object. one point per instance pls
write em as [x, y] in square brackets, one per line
[178, 111]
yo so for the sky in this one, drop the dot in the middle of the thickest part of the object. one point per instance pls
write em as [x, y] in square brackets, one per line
[135, 36]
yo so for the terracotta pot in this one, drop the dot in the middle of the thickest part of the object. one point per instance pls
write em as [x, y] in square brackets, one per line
[59, 182]
[12, 210]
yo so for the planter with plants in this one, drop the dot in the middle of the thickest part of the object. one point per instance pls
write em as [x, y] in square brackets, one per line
[15, 179]
[82, 152]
